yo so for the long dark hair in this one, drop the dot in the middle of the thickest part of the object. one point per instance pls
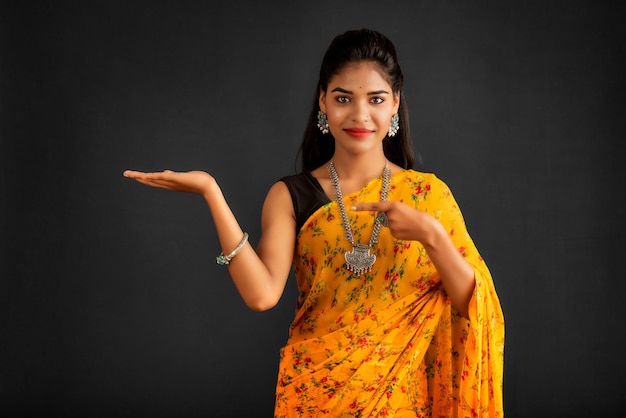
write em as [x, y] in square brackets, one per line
[354, 46]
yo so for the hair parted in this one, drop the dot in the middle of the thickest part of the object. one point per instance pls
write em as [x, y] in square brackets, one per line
[349, 47]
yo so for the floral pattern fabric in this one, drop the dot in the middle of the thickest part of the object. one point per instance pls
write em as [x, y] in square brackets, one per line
[388, 343]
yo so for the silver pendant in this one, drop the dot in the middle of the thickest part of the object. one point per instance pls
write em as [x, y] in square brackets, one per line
[359, 260]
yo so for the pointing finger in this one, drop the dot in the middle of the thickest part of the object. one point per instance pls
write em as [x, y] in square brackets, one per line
[372, 207]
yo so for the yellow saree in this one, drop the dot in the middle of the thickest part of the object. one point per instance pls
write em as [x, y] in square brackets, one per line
[388, 343]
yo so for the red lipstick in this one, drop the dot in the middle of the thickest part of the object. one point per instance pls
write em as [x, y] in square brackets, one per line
[358, 132]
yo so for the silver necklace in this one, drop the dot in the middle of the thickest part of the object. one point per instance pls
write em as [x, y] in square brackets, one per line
[359, 260]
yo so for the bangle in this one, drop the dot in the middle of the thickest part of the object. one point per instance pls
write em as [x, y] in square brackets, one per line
[223, 260]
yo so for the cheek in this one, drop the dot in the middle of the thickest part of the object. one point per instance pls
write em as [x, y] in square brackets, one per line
[335, 114]
[383, 117]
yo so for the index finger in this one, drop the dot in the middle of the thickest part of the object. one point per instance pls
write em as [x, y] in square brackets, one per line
[371, 206]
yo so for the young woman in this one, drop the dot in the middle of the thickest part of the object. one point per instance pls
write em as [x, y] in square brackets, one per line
[398, 314]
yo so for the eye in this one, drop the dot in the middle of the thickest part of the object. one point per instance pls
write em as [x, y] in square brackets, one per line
[377, 100]
[343, 99]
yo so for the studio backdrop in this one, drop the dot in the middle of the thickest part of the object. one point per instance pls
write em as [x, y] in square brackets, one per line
[110, 298]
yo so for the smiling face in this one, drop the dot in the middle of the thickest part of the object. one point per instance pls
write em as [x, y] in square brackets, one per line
[359, 104]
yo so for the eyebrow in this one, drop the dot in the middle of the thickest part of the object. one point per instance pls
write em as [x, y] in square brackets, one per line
[371, 93]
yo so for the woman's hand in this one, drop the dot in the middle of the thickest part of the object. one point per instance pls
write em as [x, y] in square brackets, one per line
[198, 182]
[404, 222]
[410, 224]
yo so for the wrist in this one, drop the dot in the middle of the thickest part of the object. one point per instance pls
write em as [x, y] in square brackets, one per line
[437, 234]
[210, 189]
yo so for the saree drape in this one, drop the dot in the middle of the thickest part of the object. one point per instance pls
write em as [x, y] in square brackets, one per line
[388, 343]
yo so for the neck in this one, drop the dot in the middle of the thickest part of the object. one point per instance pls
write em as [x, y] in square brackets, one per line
[355, 168]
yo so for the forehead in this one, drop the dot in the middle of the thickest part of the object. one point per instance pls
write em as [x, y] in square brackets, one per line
[362, 75]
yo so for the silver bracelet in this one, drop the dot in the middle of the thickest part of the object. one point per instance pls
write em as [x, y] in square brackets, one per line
[222, 259]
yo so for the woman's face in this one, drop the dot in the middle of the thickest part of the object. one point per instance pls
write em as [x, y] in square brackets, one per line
[359, 104]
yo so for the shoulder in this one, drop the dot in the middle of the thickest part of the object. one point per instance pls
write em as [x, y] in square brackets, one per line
[302, 184]
[291, 179]
[420, 177]
[278, 200]
[422, 185]
[280, 188]
[293, 187]
[290, 184]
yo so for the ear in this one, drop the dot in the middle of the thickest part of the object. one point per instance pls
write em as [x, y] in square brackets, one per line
[396, 102]
[322, 101]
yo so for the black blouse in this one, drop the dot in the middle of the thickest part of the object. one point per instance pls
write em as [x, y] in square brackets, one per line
[307, 195]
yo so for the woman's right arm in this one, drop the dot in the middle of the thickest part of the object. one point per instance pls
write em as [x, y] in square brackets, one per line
[260, 276]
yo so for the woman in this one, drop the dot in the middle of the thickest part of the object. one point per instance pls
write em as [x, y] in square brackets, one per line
[397, 314]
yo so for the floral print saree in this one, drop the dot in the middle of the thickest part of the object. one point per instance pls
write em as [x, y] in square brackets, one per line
[388, 343]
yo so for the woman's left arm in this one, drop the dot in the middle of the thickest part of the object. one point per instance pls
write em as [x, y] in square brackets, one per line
[410, 224]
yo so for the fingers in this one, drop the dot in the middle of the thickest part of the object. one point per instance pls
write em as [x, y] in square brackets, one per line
[164, 184]
[162, 175]
[380, 207]
[372, 206]
[156, 179]
[135, 174]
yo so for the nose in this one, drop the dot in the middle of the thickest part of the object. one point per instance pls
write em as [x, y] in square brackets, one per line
[360, 112]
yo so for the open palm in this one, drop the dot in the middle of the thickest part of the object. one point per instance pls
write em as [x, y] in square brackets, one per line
[197, 182]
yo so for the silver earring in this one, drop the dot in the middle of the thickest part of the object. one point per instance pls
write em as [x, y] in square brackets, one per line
[322, 122]
[394, 126]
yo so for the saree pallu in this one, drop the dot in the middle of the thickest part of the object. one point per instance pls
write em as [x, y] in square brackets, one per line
[388, 343]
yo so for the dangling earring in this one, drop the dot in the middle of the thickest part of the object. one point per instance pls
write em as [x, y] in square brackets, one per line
[322, 122]
[394, 126]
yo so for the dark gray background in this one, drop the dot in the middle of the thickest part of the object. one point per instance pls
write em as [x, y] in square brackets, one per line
[111, 301]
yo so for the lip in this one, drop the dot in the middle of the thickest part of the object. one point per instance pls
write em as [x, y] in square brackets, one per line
[358, 132]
